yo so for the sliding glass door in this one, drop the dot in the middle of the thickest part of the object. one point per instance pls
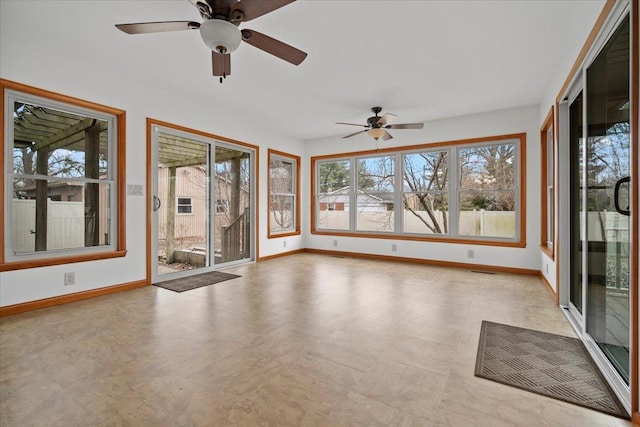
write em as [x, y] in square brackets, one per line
[202, 209]
[599, 217]
[606, 204]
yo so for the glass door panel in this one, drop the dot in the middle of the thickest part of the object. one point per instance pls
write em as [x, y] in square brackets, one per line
[576, 148]
[181, 204]
[232, 192]
[607, 219]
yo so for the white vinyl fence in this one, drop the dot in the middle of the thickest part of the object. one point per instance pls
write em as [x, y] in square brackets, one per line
[472, 223]
[65, 225]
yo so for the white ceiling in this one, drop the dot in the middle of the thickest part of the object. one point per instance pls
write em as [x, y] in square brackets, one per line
[421, 60]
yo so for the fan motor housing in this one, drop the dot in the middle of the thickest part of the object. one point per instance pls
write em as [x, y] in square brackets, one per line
[373, 121]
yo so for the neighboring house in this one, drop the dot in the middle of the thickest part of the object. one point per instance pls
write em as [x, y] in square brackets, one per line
[190, 205]
[338, 200]
[57, 191]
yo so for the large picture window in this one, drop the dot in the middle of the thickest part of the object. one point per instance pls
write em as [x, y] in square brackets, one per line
[284, 204]
[462, 191]
[63, 191]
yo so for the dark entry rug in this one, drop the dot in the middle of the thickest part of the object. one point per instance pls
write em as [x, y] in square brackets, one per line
[552, 365]
[197, 281]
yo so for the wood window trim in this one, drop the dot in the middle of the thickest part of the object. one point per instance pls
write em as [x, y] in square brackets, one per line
[521, 243]
[549, 123]
[120, 115]
[296, 231]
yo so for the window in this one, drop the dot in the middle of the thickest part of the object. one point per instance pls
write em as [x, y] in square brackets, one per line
[65, 171]
[184, 205]
[487, 192]
[468, 191]
[222, 206]
[425, 192]
[334, 178]
[375, 196]
[284, 204]
[547, 162]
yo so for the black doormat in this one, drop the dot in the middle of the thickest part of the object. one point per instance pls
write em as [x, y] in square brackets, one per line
[551, 365]
[197, 281]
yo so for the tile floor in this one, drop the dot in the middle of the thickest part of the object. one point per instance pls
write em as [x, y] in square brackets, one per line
[304, 340]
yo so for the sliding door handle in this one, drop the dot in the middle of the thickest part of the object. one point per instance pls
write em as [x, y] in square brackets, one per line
[616, 196]
[156, 203]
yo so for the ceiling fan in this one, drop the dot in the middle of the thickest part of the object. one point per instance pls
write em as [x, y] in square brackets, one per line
[377, 126]
[220, 31]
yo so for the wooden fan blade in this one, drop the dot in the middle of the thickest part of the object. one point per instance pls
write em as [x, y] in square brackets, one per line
[221, 64]
[387, 118]
[157, 27]
[274, 47]
[406, 126]
[387, 136]
[255, 8]
[351, 124]
[354, 134]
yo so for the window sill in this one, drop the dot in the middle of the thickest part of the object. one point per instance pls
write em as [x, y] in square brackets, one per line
[46, 262]
[547, 251]
[456, 240]
[284, 234]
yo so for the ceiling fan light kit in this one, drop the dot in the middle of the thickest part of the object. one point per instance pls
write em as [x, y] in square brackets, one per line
[377, 126]
[376, 133]
[220, 36]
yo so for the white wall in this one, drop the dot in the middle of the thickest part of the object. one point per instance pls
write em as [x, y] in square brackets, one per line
[31, 58]
[516, 120]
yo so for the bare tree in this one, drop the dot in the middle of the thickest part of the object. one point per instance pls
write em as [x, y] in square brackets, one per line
[487, 177]
[426, 178]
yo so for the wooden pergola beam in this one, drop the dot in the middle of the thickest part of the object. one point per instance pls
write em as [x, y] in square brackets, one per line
[81, 126]
[195, 161]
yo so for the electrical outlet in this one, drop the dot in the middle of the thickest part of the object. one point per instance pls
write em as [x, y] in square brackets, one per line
[394, 247]
[69, 279]
[547, 268]
[335, 243]
[470, 253]
[284, 243]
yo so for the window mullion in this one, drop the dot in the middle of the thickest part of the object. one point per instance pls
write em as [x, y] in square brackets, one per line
[353, 194]
[398, 207]
[454, 191]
